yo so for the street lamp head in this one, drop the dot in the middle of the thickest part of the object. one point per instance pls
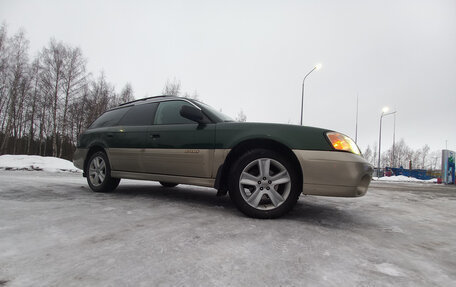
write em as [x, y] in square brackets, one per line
[385, 109]
[318, 66]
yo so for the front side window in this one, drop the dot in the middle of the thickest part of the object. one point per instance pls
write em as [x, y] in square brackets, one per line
[168, 113]
[139, 115]
[109, 118]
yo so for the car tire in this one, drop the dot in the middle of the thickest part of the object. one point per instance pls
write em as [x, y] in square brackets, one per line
[264, 184]
[168, 184]
[98, 172]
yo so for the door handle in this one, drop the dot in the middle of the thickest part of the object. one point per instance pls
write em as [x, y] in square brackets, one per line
[109, 135]
[154, 136]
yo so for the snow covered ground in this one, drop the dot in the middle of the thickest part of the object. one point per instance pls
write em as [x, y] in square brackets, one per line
[36, 162]
[55, 232]
[401, 178]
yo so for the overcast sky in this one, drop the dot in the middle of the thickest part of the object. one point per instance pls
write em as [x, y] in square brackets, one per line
[253, 55]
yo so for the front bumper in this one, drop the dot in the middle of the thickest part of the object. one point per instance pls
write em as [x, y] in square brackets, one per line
[334, 173]
[79, 157]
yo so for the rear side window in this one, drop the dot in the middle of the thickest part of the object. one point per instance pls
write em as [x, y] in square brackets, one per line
[168, 113]
[109, 118]
[139, 115]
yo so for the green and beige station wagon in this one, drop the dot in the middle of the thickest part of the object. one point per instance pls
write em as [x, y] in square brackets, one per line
[264, 167]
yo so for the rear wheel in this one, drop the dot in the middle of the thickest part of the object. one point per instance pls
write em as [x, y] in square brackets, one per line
[264, 184]
[99, 173]
[168, 184]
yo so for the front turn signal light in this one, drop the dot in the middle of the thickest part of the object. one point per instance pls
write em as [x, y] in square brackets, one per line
[342, 142]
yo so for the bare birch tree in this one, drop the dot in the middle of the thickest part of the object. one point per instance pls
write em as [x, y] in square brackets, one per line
[52, 58]
[126, 95]
[172, 88]
[33, 101]
[368, 154]
[14, 79]
[424, 153]
[241, 117]
[193, 96]
[4, 65]
[73, 80]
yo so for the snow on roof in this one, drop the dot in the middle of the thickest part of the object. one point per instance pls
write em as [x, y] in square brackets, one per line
[35, 162]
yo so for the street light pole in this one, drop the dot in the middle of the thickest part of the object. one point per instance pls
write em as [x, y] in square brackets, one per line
[317, 67]
[394, 141]
[384, 113]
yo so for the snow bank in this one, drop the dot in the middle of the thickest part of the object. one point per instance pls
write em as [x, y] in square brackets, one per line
[35, 162]
[403, 178]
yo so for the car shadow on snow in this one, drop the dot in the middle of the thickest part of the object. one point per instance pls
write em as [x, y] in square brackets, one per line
[320, 213]
[181, 194]
[328, 214]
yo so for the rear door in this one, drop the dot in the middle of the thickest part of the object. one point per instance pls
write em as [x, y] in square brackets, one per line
[129, 138]
[178, 146]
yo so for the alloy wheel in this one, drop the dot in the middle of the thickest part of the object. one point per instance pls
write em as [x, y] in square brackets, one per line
[265, 184]
[97, 171]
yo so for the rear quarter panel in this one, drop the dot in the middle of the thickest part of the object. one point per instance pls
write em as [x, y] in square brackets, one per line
[95, 137]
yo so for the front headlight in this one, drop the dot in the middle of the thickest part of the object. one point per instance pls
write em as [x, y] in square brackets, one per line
[342, 142]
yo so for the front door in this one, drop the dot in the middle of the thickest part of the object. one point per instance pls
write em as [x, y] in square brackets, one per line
[178, 146]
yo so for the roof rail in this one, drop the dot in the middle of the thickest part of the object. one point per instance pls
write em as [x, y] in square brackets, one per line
[143, 99]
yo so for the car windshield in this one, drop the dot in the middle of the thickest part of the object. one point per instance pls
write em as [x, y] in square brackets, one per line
[213, 112]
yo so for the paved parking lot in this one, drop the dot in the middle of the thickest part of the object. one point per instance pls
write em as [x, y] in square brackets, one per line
[55, 232]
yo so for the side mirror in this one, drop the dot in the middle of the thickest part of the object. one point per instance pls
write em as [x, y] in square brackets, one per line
[192, 114]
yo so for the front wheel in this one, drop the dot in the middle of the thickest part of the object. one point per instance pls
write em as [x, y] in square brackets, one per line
[264, 184]
[99, 173]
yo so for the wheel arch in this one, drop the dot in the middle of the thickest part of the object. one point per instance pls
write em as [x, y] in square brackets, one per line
[221, 181]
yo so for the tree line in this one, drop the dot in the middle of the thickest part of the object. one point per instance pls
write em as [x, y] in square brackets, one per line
[402, 155]
[48, 100]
